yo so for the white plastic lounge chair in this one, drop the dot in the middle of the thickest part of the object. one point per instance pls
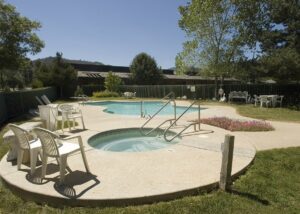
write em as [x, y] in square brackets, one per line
[69, 113]
[82, 98]
[45, 99]
[54, 146]
[24, 143]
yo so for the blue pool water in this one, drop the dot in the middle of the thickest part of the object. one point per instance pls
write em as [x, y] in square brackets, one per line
[130, 140]
[134, 108]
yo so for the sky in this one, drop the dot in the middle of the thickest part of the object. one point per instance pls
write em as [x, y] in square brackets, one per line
[109, 31]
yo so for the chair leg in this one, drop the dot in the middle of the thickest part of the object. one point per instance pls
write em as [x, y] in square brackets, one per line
[33, 159]
[83, 156]
[73, 124]
[62, 125]
[82, 122]
[20, 158]
[44, 165]
[69, 124]
[62, 168]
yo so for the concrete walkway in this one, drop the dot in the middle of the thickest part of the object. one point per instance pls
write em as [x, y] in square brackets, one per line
[142, 177]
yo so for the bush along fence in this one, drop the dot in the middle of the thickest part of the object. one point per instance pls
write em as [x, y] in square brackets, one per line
[291, 92]
[16, 103]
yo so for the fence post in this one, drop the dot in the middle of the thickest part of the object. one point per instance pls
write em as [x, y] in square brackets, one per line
[227, 156]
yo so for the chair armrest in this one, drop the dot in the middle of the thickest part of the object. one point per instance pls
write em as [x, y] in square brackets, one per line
[78, 137]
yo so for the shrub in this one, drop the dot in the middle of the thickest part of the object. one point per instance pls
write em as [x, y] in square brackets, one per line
[238, 125]
[105, 94]
[112, 82]
[37, 83]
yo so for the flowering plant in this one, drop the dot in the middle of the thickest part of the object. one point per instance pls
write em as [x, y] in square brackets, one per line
[238, 125]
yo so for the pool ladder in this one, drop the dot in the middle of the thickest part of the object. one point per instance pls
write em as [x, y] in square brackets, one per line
[170, 98]
[186, 126]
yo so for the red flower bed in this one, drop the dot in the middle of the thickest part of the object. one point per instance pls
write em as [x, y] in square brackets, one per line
[238, 125]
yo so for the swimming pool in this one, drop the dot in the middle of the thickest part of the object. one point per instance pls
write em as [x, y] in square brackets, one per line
[134, 108]
[131, 140]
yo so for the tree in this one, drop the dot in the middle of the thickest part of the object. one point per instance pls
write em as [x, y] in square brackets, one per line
[144, 70]
[211, 28]
[112, 82]
[63, 74]
[17, 39]
[270, 28]
[43, 73]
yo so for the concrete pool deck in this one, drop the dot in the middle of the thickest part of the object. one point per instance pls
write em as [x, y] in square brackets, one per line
[144, 177]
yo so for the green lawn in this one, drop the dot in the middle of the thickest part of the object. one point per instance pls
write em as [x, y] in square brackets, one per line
[249, 110]
[279, 114]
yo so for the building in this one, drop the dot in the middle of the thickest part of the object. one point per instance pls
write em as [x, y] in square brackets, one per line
[89, 74]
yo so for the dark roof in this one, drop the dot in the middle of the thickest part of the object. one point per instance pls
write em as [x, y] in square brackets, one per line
[97, 74]
[107, 68]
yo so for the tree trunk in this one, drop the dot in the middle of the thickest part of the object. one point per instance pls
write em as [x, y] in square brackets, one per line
[216, 87]
[222, 81]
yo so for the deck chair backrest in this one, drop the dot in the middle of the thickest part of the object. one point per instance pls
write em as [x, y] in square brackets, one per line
[21, 135]
[47, 139]
[39, 100]
[45, 99]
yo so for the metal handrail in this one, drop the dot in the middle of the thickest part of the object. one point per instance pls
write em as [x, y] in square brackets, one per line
[159, 110]
[168, 96]
[157, 127]
[185, 127]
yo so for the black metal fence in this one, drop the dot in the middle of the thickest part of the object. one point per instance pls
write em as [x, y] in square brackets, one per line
[19, 102]
[291, 92]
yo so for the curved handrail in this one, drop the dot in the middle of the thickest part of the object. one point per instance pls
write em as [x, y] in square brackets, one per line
[159, 110]
[168, 96]
[186, 127]
[157, 127]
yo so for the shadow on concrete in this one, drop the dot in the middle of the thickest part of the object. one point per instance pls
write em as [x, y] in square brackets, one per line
[36, 177]
[77, 131]
[250, 196]
[74, 181]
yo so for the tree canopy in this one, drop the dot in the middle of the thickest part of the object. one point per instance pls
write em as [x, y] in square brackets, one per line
[17, 39]
[57, 73]
[211, 29]
[144, 70]
[112, 82]
[243, 39]
[272, 29]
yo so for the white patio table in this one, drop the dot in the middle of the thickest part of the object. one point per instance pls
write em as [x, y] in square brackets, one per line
[272, 98]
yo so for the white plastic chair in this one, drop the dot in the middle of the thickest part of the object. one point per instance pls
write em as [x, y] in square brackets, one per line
[69, 113]
[279, 100]
[24, 143]
[264, 100]
[54, 146]
[256, 100]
